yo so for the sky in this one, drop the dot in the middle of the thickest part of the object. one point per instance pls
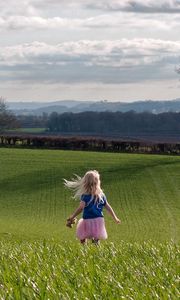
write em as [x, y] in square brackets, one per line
[115, 50]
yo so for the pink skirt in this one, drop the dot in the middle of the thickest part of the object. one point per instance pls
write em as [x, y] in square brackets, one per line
[91, 228]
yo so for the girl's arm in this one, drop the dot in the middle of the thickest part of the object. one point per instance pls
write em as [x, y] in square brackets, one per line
[111, 212]
[78, 210]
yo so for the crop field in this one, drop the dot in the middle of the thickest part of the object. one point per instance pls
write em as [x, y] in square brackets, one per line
[29, 130]
[41, 259]
[43, 270]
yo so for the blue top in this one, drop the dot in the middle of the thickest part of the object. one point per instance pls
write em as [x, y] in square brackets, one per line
[93, 209]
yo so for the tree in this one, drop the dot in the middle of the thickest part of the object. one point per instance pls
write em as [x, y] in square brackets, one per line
[7, 119]
[3, 105]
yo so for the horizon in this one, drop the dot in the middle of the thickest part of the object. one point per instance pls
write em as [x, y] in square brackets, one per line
[92, 101]
[88, 50]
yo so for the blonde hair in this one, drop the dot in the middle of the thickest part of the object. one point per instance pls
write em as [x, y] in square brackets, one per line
[88, 184]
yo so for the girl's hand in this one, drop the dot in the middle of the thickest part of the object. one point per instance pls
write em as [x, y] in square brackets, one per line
[118, 221]
[70, 222]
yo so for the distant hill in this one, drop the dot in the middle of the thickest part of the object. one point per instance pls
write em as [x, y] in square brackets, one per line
[38, 108]
[25, 105]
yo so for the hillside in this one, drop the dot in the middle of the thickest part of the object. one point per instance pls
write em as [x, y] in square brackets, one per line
[39, 256]
[143, 189]
[38, 108]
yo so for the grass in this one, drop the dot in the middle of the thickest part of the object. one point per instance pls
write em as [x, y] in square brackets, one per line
[144, 190]
[41, 259]
[41, 270]
[30, 130]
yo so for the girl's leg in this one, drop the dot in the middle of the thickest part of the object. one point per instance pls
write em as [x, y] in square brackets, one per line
[83, 241]
[95, 241]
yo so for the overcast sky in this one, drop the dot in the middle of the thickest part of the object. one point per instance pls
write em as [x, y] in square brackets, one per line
[89, 50]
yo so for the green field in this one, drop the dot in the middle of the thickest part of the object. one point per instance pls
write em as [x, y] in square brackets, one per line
[29, 130]
[41, 259]
[143, 189]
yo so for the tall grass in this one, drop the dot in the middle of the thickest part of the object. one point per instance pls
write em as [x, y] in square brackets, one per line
[49, 270]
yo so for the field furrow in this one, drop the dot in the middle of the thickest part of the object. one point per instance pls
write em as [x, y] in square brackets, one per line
[144, 190]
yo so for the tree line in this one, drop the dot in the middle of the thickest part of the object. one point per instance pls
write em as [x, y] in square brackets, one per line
[114, 122]
[97, 123]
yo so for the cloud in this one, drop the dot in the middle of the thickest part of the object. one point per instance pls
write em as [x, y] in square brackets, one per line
[31, 14]
[26, 22]
[138, 6]
[136, 51]
[19, 8]
[103, 61]
[100, 21]
[40, 7]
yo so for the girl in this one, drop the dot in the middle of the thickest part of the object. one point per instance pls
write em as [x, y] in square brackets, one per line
[88, 189]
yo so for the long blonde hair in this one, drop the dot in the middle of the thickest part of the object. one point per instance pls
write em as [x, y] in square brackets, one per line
[88, 184]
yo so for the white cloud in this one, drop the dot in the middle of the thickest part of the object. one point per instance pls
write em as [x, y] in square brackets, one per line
[14, 7]
[140, 6]
[42, 7]
[104, 61]
[24, 22]
[117, 52]
[95, 63]
[35, 15]
[100, 21]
